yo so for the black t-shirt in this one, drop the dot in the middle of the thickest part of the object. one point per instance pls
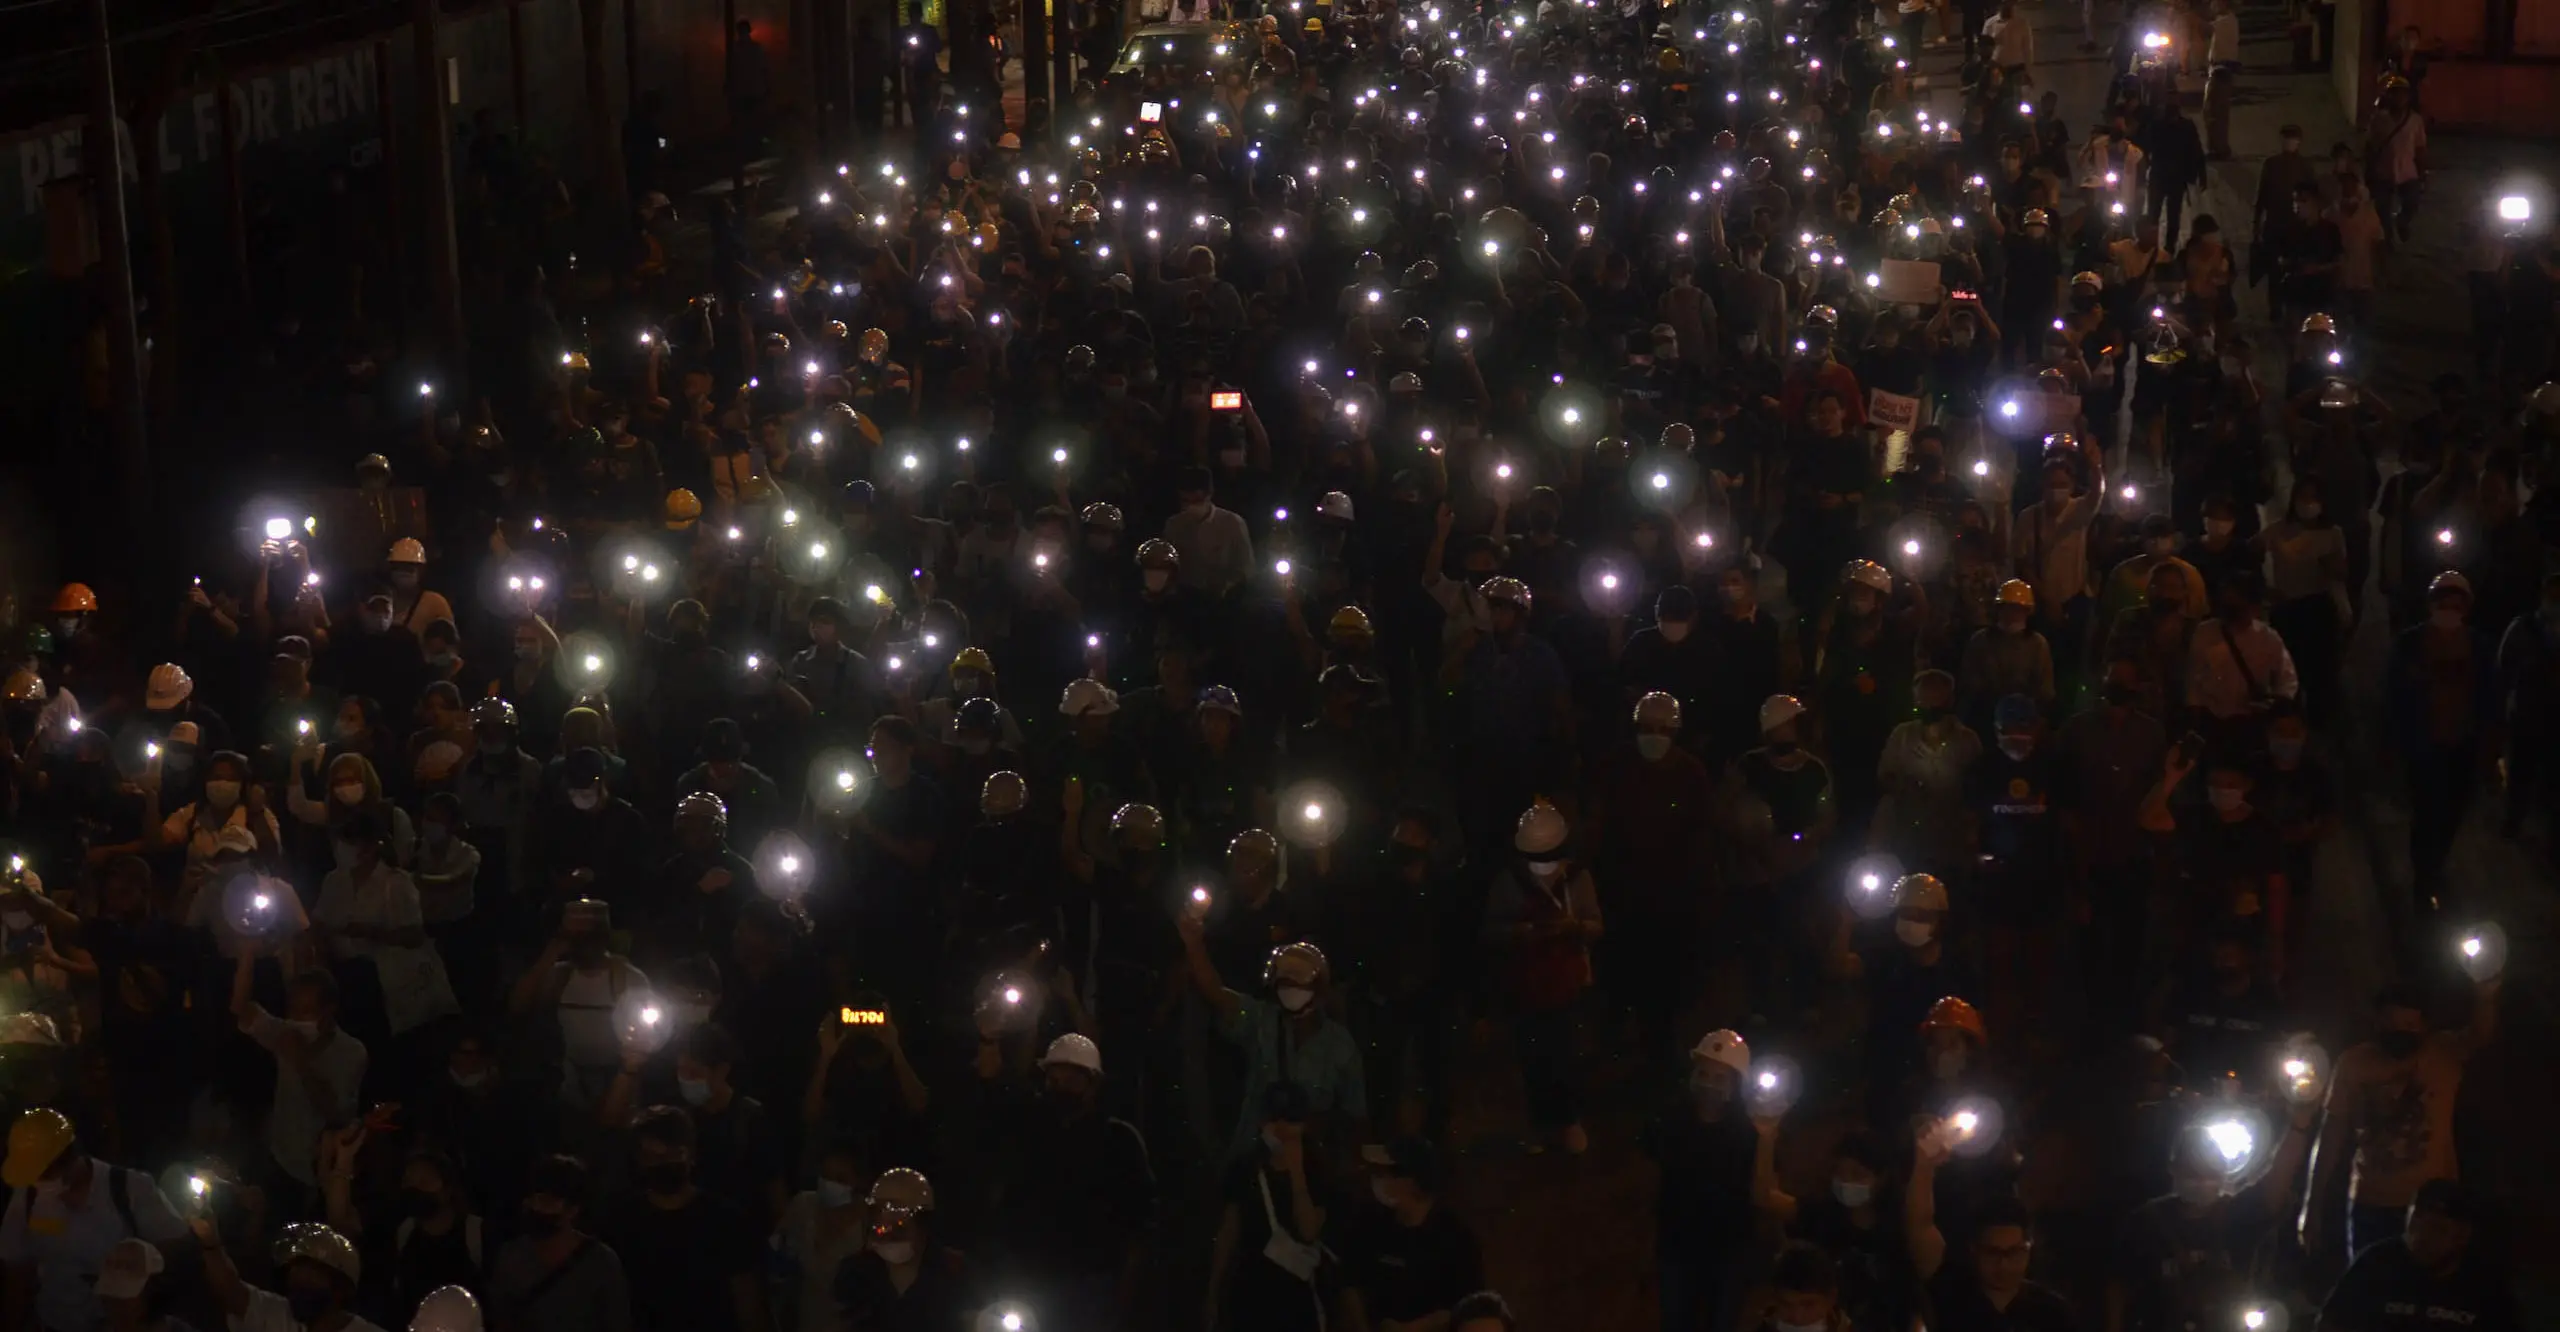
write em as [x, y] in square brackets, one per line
[1795, 796]
[1705, 1198]
[681, 1261]
[1957, 1299]
[2179, 1270]
[940, 1300]
[1406, 1273]
[1260, 1295]
[1877, 1286]
[2385, 1290]
[2016, 801]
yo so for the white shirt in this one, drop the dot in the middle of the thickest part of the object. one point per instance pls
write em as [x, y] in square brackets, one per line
[1217, 551]
[2224, 48]
[2013, 41]
[67, 1244]
[268, 1312]
[294, 1123]
[2215, 680]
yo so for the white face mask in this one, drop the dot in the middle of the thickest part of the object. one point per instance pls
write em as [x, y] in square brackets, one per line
[1852, 1195]
[1546, 871]
[1674, 631]
[1652, 747]
[1914, 933]
[222, 795]
[348, 793]
[585, 799]
[896, 1253]
[1295, 998]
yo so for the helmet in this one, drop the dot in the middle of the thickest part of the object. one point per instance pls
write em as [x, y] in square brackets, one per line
[1586, 209]
[1723, 1046]
[1953, 1014]
[2035, 217]
[1252, 849]
[1658, 709]
[1777, 710]
[1415, 328]
[1541, 829]
[1335, 505]
[306, 1242]
[1868, 574]
[30, 1028]
[972, 659]
[1088, 697]
[2085, 278]
[1507, 592]
[1079, 359]
[1315, 25]
[2016, 592]
[978, 716]
[1885, 217]
[1143, 823]
[1158, 553]
[447, 1309]
[2318, 322]
[1405, 381]
[1295, 964]
[683, 507]
[1003, 793]
[1822, 316]
[169, 686]
[1074, 1050]
[494, 712]
[74, 597]
[901, 1190]
[1220, 698]
[1920, 892]
[408, 550]
[2451, 580]
[705, 805]
[873, 346]
[1349, 622]
[1421, 273]
[23, 686]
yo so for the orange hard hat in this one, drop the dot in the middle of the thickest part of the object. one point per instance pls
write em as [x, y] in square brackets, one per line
[74, 597]
[1955, 1014]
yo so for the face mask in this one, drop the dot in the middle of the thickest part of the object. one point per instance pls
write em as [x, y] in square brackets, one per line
[2225, 798]
[1157, 578]
[378, 623]
[1546, 871]
[221, 795]
[1914, 933]
[896, 1253]
[2017, 747]
[1295, 998]
[442, 661]
[310, 1304]
[1653, 747]
[348, 793]
[1383, 1191]
[2445, 617]
[832, 1194]
[1852, 1195]
[1947, 1064]
[1674, 631]
[666, 1177]
[695, 1091]
[585, 799]
[2400, 1044]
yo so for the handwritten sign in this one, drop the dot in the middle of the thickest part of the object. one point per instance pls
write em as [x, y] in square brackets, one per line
[1892, 411]
[1910, 282]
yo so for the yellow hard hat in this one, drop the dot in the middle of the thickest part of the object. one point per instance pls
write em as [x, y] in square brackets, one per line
[38, 1138]
[972, 659]
[683, 507]
[874, 344]
[1315, 25]
[1349, 622]
[2016, 592]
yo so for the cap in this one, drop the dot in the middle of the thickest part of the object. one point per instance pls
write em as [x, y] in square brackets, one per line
[127, 1269]
[2016, 592]
[1412, 1158]
[1074, 1051]
[1658, 709]
[38, 1138]
[169, 687]
[1777, 710]
[237, 840]
[1723, 1046]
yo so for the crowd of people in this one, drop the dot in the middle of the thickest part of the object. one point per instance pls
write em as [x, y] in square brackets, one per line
[1018, 743]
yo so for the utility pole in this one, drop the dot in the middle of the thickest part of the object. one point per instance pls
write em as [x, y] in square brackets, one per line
[100, 151]
[435, 173]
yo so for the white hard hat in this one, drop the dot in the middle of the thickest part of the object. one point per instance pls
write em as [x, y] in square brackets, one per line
[1075, 1051]
[1777, 710]
[170, 685]
[2451, 580]
[1920, 892]
[127, 1270]
[1658, 709]
[1334, 505]
[1868, 573]
[1541, 829]
[308, 1242]
[1088, 696]
[901, 1189]
[408, 550]
[1724, 1046]
[447, 1309]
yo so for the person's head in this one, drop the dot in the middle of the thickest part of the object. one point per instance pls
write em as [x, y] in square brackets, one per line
[1403, 1174]
[313, 997]
[353, 784]
[45, 1154]
[2438, 1228]
[662, 1141]
[827, 621]
[2165, 590]
[2308, 504]
[2239, 598]
[429, 1183]
[2227, 784]
[1827, 413]
[2289, 138]
[2307, 201]
[1858, 1167]
[2229, 958]
[1933, 692]
[555, 1195]
[708, 1055]
[1071, 1073]
[582, 779]
[320, 1270]
[2400, 1021]
[2002, 1243]
[1253, 864]
[893, 748]
[125, 1281]
[2449, 600]
[1806, 1285]
[2018, 724]
[2196, 1169]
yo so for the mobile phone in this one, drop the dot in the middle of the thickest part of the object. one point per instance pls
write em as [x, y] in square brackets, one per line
[1226, 400]
[2190, 748]
[1150, 113]
[1960, 296]
[862, 1017]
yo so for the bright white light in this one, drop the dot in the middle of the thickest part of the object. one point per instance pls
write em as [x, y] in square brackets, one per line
[2471, 946]
[1312, 812]
[1662, 480]
[1705, 539]
[2232, 1139]
[1608, 582]
[1911, 547]
[593, 663]
[2444, 536]
[1967, 1121]
[2515, 208]
[844, 779]
[278, 529]
[1982, 467]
